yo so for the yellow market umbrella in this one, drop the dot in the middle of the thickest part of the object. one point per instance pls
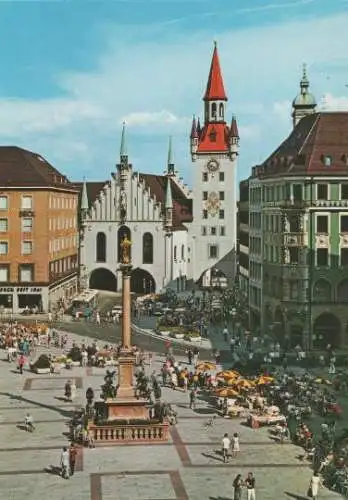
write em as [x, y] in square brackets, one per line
[231, 373]
[205, 366]
[226, 392]
[244, 383]
[231, 381]
[263, 380]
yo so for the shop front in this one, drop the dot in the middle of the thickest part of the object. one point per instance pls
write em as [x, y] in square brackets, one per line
[14, 300]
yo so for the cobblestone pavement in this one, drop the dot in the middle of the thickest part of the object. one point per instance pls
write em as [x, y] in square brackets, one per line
[188, 467]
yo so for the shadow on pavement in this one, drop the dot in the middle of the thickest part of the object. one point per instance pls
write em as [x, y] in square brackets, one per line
[64, 413]
[297, 497]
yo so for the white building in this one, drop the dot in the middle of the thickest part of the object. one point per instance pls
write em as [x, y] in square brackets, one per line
[173, 239]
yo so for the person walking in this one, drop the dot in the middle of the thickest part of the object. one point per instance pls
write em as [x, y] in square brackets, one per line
[72, 458]
[250, 486]
[226, 445]
[64, 463]
[237, 487]
[314, 485]
[235, 444]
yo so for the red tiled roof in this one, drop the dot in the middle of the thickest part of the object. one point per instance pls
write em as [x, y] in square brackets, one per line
[315, 137]
[215, 87]
[24, 169]
[214, 138]
[234, 128]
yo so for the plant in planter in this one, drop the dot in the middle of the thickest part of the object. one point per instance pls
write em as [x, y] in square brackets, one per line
[75, 354]
[41, 365]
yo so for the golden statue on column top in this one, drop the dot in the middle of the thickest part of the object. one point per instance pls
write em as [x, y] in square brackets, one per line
[125, 250]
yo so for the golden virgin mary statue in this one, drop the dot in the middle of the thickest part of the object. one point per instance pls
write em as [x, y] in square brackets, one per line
[126, 250]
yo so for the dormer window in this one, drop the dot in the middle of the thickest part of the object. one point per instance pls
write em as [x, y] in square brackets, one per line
[327, 160]
[212, 135]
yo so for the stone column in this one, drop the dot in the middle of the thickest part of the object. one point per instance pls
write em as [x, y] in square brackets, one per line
[126, 308]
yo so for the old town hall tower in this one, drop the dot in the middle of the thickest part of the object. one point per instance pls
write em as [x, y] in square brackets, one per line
[214, 151]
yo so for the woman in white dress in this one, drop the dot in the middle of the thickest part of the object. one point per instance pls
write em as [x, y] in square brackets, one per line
[235, 444]
[314, 486]
[73, 390]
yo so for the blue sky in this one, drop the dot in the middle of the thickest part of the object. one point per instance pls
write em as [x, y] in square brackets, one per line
[72, 71]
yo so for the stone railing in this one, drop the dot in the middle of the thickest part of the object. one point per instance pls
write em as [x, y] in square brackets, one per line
[141, 433]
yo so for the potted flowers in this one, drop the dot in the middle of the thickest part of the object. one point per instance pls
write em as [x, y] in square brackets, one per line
[42, 365]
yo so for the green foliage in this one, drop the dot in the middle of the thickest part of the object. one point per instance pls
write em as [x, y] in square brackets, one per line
[42, 362]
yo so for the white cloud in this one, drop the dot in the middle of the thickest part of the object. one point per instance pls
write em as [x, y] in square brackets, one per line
[19, 116]
[155, 86]
[144, 118]
[272, 6]
[332, 103]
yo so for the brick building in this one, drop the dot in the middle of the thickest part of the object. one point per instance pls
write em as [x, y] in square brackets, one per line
[38, 232]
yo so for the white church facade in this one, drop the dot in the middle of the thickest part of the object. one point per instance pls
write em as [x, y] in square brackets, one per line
[179, 236]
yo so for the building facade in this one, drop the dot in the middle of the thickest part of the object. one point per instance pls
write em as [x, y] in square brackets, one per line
[155, 208]
[178, 236]
[214, 152]
[243, 227]
[304, 220]
[38, 232]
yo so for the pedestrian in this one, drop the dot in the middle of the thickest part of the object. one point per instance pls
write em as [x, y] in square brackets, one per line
[72, 458]
[235, 444]
[237, 487]
[64, 463]
[21, 362]
[314, 484]
[193, 396]
[250, 486]
[226, 445]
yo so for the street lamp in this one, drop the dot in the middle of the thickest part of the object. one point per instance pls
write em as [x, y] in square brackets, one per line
[233, 314]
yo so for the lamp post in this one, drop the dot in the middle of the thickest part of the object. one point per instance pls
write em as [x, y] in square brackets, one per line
[233, 314]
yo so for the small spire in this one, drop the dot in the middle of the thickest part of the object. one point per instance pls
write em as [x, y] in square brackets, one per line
[123, 148]
[194, 134]
[169, 198]
[170, 153]
[84, 196]
[304, 83]
[234, 128]
[199, 128]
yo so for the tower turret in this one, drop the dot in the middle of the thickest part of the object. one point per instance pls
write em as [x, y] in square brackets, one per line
[170, 162]
[194, 138]
[233, 139]
[168, 206]
[215, 97]
[304, 103]
[84, 206]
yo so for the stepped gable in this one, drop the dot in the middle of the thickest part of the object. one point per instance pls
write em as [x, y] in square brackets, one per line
[318, 145]
[182, 206]
[22, 168]
[93, 190]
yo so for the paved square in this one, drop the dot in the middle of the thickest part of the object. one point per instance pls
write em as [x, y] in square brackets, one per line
[188, 467]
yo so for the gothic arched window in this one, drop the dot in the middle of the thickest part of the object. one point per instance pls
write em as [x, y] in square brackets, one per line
[175, 253]
[121, 233]
[182, 252]
[147, 248]
[221, 110]
[101, 247]
[214, 110]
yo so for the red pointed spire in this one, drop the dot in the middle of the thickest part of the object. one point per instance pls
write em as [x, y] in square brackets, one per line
[194, 132]
[234, 128]
[215, 87]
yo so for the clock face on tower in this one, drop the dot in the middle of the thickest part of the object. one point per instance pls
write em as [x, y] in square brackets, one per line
[213, 165]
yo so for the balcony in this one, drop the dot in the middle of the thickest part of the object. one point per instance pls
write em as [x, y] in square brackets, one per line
[294, 239]
[294, 204]
[136, 434]
[26, 212]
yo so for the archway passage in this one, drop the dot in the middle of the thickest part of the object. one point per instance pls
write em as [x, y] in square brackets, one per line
[142, 281]
[103, 279]
[327, 330]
